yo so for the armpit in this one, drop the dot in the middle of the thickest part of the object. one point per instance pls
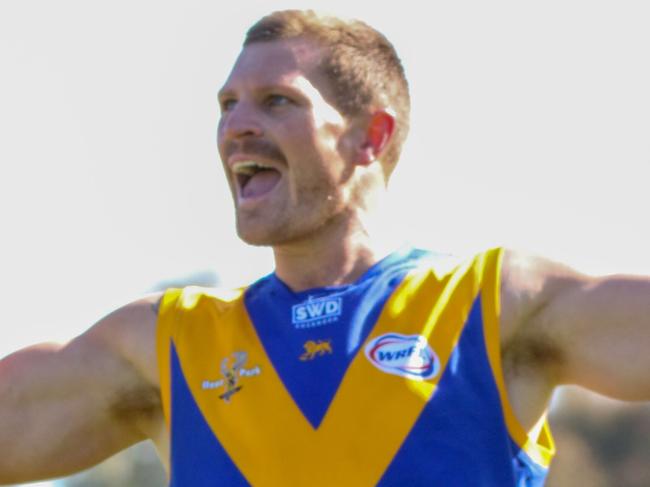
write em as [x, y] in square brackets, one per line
[525, 353]
[138, 405]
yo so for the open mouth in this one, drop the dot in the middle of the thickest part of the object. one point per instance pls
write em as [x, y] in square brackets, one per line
[255, 179]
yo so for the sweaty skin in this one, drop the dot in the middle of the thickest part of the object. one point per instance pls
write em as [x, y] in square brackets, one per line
[64, 408]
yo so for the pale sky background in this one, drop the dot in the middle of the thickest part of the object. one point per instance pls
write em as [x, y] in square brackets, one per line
[530, 128]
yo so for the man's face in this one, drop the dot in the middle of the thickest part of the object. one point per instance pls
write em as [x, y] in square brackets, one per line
[284, 146]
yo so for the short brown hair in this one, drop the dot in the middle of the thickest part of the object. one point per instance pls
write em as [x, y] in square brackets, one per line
[362, 65]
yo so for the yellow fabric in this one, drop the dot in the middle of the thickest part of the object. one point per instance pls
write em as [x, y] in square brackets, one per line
[540, 448]
[206, 326]
[165, 328]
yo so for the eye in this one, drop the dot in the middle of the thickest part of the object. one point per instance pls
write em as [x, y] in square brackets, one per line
[277, 100]
[227, 104]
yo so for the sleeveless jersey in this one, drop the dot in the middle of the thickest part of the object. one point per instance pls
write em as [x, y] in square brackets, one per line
[394, 380]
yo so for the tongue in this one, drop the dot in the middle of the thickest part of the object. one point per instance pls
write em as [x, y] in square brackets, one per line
[261, 183]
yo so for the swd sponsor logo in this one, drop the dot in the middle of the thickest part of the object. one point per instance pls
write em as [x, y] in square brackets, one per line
[316, 312]
[408, 356]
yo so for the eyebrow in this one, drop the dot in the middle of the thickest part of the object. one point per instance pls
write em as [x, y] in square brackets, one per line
[288, 88]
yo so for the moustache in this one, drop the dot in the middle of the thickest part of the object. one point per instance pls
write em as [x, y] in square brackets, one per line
[254, 147]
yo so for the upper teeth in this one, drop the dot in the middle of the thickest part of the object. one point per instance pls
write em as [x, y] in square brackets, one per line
[248, 168]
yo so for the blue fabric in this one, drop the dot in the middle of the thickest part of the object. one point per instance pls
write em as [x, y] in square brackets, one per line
[313, 383]
[197, 457]
[461, 438]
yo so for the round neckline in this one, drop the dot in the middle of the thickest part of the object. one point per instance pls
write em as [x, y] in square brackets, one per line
[376, 269]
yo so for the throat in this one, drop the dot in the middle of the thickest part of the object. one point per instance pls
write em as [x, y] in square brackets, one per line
[313, 269]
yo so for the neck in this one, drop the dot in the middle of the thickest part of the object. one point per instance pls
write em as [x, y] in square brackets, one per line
[339, 257]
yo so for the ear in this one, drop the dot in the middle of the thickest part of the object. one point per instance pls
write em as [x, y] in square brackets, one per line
[377, 135]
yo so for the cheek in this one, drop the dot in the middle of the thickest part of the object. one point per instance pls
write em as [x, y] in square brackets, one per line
[220, 143]
[319, 134]
[315, 152]
[330, 136]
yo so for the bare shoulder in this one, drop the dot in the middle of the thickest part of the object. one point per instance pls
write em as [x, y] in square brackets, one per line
[125, 340]
[533, 354]
[130, 333]
[531, 286]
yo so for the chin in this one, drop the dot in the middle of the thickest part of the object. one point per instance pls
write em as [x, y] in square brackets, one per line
[270, 235]
[274, 230]
[260, 236]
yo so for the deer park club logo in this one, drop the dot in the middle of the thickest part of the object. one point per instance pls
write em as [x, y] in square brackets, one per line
[408, 356]
[232, 370]
[316, 312]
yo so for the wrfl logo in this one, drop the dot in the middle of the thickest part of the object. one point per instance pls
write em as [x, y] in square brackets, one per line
[408, 356]
[316, 312]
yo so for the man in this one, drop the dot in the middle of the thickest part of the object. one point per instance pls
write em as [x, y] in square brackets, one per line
[347, 366]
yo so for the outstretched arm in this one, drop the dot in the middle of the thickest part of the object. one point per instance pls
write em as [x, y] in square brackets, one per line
[578, 329]
[64, 408]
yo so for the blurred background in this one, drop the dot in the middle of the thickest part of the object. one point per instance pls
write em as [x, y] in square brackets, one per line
[530, 129]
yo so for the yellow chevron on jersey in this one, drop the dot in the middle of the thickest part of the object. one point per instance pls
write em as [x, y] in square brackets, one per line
[218, 380]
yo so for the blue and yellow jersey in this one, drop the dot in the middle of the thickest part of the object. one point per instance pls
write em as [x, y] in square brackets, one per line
[393, 380]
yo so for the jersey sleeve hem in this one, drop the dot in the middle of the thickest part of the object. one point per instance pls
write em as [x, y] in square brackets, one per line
[164, 335]
[538, 444]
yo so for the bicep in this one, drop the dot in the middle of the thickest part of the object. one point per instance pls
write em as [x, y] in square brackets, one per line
[579, 329]
[65, 408]
[603, 327]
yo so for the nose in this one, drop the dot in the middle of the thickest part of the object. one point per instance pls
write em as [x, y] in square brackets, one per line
[240, 121]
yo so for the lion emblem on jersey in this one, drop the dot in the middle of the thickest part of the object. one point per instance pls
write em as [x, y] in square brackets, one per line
[315, 348]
